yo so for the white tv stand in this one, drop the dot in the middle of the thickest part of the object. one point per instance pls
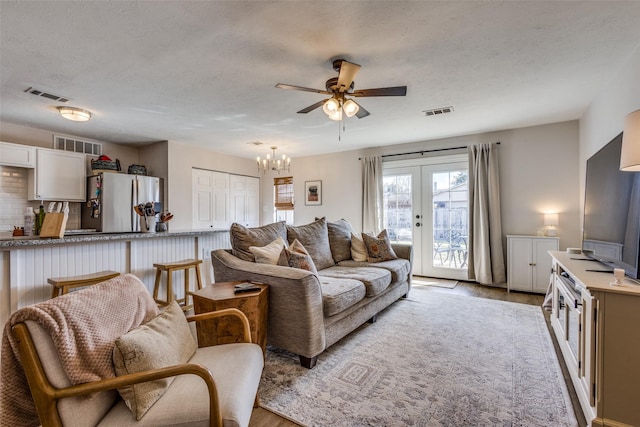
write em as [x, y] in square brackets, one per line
[598, 330]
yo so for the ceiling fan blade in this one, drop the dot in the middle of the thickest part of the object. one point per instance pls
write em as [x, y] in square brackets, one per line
[362, 113]
[312, 107]
[348, 72]
[304, 89]
[383, 91]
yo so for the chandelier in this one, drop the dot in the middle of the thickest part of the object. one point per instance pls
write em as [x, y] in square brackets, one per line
[273, 164]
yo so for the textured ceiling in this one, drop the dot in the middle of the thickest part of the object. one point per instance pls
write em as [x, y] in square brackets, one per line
[203, 72]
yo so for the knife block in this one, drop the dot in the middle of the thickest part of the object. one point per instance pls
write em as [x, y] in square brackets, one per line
[54, 225]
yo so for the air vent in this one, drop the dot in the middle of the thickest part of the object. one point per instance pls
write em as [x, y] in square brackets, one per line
[437, 111]
[77, 145]
[58, 98]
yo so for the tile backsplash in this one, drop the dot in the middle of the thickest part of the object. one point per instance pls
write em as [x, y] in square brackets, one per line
[13, 200]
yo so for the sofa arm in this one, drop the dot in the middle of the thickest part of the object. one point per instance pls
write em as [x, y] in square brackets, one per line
[403, 251]
[296, 316]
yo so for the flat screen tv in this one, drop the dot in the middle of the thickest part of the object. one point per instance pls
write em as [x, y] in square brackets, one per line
[611, 227]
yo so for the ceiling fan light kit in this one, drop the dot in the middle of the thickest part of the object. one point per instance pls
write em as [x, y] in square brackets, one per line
[339, 87]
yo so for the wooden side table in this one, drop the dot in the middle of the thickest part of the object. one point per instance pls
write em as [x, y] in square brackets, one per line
[217, 296]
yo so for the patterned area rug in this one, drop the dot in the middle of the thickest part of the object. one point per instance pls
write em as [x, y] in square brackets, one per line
[418, 281]
[430, 360]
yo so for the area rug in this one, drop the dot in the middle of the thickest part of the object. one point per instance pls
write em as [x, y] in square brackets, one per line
[433, 359]
[418, 281]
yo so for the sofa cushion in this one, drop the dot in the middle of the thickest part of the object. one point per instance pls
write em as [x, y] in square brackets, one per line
[243, 237]
[399, 268]
[164, 341]
[315, 238]
[358, 248]
[375, 280]
[269, 254]
[379, 248]
[340, 294]
[296, 256]
[340, 239]
[236, 371]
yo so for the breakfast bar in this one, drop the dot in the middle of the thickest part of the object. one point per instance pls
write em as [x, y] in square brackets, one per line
[26, 263]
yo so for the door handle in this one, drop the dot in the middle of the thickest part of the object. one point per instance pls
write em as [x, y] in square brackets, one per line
[418, 224]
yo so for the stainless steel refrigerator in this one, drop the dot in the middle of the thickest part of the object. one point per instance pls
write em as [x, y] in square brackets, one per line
[111, 198]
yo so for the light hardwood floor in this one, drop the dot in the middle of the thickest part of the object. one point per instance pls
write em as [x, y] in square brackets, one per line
[264, 418]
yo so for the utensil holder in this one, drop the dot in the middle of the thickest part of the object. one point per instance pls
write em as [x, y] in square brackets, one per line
[148, 224]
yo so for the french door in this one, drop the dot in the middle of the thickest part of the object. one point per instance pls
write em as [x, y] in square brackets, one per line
[426, 204]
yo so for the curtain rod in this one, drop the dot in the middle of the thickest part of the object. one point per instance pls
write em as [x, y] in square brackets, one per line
[428, 151]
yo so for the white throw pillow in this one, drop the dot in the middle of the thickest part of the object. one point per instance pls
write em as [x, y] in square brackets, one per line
[165, 340]
[270, 253]
[358, 248]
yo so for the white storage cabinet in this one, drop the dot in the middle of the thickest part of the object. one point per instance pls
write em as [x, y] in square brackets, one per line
[58, 175]
[245, 200]
[529, 262]
[22, 156]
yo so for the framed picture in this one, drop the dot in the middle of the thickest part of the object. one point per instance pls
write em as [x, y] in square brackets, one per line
[312, 193]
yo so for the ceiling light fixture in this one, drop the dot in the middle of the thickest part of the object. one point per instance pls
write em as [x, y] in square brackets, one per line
[75, 114]
[273, 164]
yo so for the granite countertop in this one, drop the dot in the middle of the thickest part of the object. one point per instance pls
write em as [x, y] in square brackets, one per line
[21, 242]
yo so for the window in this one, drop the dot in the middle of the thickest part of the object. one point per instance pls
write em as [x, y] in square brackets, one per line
[283, 199]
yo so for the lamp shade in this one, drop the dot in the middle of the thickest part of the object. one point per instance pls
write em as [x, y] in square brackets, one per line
[551, 219]
[350, 108]
[331, 106]
[630, 155]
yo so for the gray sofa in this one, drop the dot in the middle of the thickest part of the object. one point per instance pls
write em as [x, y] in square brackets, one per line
[309, 312]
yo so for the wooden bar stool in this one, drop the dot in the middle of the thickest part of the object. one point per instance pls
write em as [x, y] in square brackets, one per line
[185, 265]
[61, 285]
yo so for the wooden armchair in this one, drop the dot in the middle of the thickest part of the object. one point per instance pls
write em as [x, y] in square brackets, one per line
[217, 386]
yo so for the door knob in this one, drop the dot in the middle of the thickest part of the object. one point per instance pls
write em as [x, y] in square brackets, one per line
[418, 224]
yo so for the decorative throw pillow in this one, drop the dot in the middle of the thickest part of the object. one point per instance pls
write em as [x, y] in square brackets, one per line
[340, 239]
[296, 256]
[378, 248]
[243, 237]
[165, 340]
[315, 238]
[358, 249]
[268, 254]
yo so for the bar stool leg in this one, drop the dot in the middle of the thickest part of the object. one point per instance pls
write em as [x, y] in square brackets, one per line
[198, 279]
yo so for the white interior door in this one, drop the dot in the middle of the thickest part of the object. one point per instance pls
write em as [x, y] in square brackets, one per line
[426, 204]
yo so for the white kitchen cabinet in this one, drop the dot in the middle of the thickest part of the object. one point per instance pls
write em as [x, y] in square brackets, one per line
[529, 262]
[595, 325]
[23, 156]
[58, 175]
[245, 200]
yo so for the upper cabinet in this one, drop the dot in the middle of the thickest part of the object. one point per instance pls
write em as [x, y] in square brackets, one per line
[23, 156]
[58, 175]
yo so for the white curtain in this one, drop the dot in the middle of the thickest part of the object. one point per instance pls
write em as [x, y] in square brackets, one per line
[372, 194]
[486, 259]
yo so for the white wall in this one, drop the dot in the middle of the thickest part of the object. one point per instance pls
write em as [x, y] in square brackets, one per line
[604, 119]
[182, 158]
[538, 173]
[44, 138]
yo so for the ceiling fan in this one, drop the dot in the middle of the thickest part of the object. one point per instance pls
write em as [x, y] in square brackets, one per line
[340, 89]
